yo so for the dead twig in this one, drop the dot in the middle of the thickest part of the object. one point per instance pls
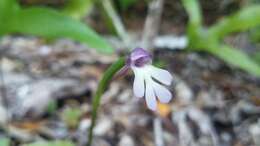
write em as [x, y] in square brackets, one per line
[152, 23]
[2, 82]
[171, 42]
[3, 101]
[158, 132]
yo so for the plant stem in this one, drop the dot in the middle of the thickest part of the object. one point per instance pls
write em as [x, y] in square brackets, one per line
[113, 20]
[108, 75]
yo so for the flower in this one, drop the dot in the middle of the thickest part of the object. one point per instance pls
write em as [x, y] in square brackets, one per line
[149, 80]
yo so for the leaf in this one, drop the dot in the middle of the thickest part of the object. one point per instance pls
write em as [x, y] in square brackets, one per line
[194, 30]
[193, 9]
[255, 100]
[51, 24]
[51, 143]
[243, 20]
[254, 34]
[4, 142]
[164, 109]
[6, 7]
[71, 116]
[52, 106]
[256, 57]
[124, 4]
[236, 58]
[77, 8]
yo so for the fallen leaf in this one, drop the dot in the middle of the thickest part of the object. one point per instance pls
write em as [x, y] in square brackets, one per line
[29, 126]
[163, 109]
[256, 100]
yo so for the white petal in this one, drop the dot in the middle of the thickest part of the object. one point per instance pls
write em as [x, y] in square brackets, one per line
[162, 93]
[150, 96]
[161, 75]
[138, 86]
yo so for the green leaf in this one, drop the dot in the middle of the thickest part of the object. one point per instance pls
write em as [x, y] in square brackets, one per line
[254, 34]
[71, 116]
[256, 57]
[236, 58]
[202, 39]
[52, 106]
[193, 9]
[4, 142]
[7, 8]
[124, 4]
[243, 20]
[51, 143]
[195, 30]
[77, 8]
[51, 24]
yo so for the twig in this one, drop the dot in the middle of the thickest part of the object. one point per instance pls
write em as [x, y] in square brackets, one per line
[152, 23]
[171, 42]
[3, 101]
[158, 134]
[3, 88]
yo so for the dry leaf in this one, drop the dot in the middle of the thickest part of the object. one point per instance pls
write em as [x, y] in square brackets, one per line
[163, 109]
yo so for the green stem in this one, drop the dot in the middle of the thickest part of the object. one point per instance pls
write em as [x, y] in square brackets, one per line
[194, 11]
[113, 20]
[108, 75]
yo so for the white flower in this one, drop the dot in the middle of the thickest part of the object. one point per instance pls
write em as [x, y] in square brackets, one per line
[149, 80]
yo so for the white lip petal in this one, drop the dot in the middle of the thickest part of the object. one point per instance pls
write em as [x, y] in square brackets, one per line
[161, 75]
[150, 97]
[162, 93]
[138, 85]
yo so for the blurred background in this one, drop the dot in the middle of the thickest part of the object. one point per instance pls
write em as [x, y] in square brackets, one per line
[54, 52]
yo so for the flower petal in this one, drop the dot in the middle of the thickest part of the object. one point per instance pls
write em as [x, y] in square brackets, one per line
[162, 93]
[138, 53]
[139, 57]
[138, 85]
[161, 75]
[150, 96]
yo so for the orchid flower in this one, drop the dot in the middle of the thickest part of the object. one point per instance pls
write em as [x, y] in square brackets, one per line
[149, 80]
